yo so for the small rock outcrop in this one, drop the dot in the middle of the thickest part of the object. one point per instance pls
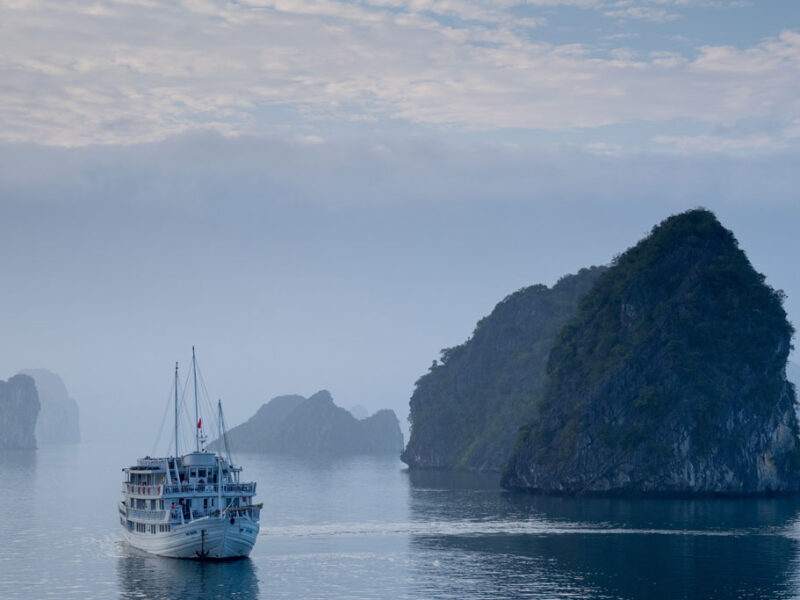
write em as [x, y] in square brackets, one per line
[59, 418]
[467, 410]
[315, 426]
[671, 379]
[19, 407]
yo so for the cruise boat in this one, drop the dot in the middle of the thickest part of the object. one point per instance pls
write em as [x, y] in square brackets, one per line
[193, 505]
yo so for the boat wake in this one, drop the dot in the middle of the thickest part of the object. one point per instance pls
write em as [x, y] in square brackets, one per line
[479, 528]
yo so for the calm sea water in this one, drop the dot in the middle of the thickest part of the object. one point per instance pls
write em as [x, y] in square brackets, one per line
[365, 528]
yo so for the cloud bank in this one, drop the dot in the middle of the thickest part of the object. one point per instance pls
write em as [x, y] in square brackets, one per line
[129, 71]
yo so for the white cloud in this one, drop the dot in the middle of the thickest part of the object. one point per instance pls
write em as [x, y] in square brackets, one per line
[622, 36]
[772, 55]
[792, 131]
[605, 149]
[644, 13]
[76, 73]
[713, 144]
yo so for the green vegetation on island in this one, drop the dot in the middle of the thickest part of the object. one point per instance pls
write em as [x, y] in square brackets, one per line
[466, 411]
[670, 379]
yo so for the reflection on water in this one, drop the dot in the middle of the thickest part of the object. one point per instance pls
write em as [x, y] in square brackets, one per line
[366, 529]
[19, 462]
[144, 576]
[607, 548]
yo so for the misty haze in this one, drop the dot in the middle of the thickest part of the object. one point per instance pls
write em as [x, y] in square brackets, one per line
[336, 299]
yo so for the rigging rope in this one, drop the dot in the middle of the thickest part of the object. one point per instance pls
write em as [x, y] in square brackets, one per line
[185, 418]
[225, 440]
[206, 397]
[163, 419]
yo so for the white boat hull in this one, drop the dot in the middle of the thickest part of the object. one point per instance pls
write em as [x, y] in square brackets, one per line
[209, 538]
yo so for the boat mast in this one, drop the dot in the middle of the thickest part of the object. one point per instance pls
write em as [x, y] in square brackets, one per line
[219, 458]
[176, 416]
[196, 413]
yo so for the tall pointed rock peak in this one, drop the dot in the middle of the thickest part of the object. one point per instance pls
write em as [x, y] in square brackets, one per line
[670, 379]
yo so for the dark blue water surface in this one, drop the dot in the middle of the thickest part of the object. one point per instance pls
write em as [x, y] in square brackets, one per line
[366, 528]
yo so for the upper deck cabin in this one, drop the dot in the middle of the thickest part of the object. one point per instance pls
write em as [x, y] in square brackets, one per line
[169, 490]
[195, 468]
[194, 473]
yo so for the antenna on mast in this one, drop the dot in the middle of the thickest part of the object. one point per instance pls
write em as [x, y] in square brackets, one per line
[176, 415]
[196, 412]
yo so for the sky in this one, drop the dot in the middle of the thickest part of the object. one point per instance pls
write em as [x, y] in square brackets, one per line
[323, 194]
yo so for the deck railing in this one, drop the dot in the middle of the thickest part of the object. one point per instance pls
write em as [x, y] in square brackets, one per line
[148, 515]
[209, 488]
[174, 515]
[188, 489]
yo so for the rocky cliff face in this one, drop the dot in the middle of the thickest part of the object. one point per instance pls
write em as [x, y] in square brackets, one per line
[466, 411]
[671, 378]
[59, 418]
[315, 426]
[380, 433]
[19, 407]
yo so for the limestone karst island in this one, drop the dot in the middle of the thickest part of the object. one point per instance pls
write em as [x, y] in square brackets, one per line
[662, 374]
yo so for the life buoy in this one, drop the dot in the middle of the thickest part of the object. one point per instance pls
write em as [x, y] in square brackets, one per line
[158, 490]
[148, 491]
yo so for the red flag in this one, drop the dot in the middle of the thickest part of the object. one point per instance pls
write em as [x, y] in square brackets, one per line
[200, 423]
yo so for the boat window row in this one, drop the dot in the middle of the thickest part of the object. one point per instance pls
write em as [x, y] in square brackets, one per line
[143, 504]
[149, 479]
[142, 528]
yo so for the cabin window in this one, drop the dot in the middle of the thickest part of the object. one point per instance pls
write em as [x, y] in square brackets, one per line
[201, 473]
